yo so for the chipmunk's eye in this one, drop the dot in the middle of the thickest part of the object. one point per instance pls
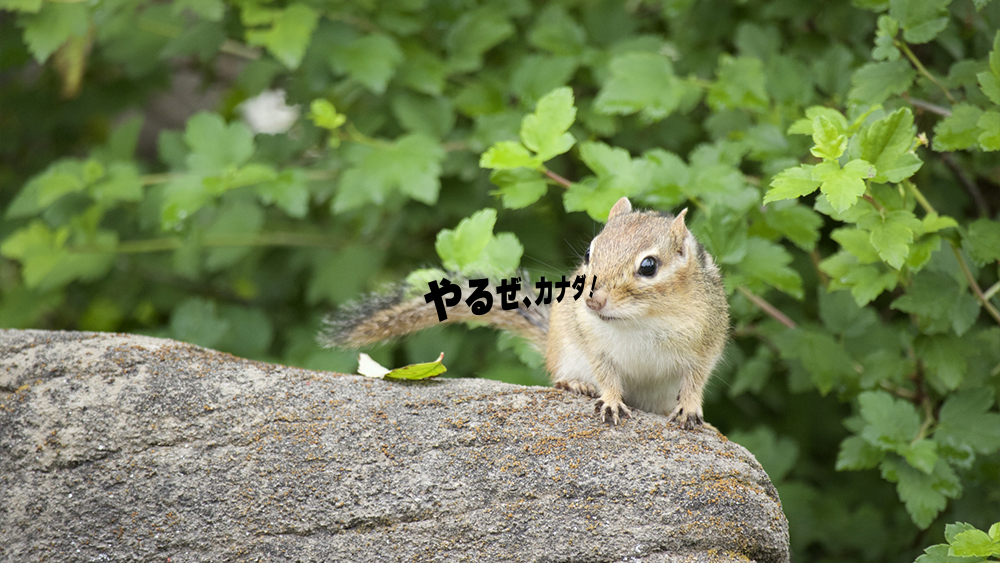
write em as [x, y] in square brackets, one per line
[586, 256]
[647, 268]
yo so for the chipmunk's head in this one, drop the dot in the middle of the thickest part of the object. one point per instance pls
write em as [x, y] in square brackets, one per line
[643, 261]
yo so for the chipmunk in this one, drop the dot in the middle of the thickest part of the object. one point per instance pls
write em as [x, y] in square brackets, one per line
[648, 336]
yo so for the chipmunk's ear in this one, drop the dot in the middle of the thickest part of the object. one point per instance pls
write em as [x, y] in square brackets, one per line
[622, 207]
[677, 225]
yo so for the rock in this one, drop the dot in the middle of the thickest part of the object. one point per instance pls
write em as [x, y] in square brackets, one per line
[128, 448]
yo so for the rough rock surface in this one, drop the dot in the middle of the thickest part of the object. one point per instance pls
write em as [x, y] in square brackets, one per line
[128, 448]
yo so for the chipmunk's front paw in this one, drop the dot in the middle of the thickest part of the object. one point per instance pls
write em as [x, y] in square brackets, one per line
[689, 419]
[576, 386]
[612, 410]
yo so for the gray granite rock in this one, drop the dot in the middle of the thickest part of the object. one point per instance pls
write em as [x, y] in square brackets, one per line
[127, 448]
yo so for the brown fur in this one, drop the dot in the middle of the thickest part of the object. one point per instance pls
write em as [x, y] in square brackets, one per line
[661, 333]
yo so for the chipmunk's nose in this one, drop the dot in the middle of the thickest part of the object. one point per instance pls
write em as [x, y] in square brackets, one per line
[597, 303]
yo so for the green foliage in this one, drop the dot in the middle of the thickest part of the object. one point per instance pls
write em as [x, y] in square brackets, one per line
[838, 159]
[966, 544]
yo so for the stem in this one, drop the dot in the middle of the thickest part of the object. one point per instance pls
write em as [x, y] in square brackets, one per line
[557, 178]
[771, 310]
[976, 290]
[928, 420]
[919, 197]
[921, 69]
[925, 105]
[228, 46]
[173, 243]
[989, 293]
[975, 286]
[875, 204]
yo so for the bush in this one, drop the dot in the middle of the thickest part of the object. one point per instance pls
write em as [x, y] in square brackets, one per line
[838, 160]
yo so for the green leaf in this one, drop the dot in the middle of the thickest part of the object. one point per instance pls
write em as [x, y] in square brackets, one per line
[940, 303]
[989, 80]
[887, 144]
[740, 84]
[925, 496]
[431, 116]
[121, 183]
[753, 374]
[538, 75]
[288, 191]
[723, 234]
[544, 131]
[982, 240]
[371, 60]
[21, 5]
[807, 124]
[989, 124]
[197, 321]
[48, 263]
[519, 188]
[557, 32]
[884, 49]
[370, 368]
[843, 186]
[616, 169]
[892, 423]
[461, 246]
[876, 82]
[325, 115]
[214, 145]
[921, 20]
[792, 183]
[592, 196]
[975, 543]
[182, 198]
[412, 165]
[959, 130]
[501, 256]
[823, 357]
[340, 276]
[796, 222]
[777, 455]
[891, 237]
[857, 242]
[921, 455]
[52, 25]
[250, 332]
[944, 358]
[211, 10]
[475, 33]
[830, 141]
[769, 262]
[507, 155]
[289, 35]
[234, 220]
[968, 423]
[640, 83]
[423, 72]
[856, 454]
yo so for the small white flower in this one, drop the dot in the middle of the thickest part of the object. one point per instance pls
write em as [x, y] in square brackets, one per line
[268, 112]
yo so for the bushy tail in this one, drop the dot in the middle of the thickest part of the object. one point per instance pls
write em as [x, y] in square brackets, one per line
[383, 317]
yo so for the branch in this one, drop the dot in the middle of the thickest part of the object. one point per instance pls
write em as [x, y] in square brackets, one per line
[978, 291]
[771, 310]
[924, 105]
[921, 69]
[557, 178]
